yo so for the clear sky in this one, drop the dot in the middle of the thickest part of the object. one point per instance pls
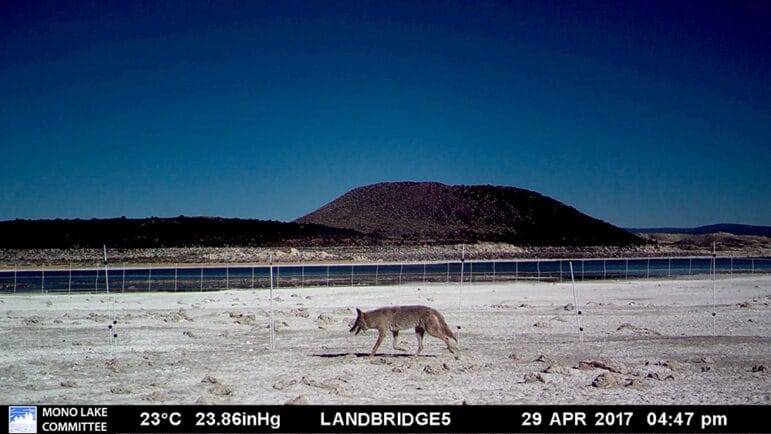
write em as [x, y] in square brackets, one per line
[640, 113]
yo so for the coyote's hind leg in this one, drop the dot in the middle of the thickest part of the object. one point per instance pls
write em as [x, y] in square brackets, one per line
[419, 331]
[397, 348]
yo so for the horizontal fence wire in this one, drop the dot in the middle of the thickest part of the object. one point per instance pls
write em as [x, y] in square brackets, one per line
[124, 278]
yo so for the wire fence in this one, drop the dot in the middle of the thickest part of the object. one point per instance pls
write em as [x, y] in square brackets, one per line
[238, 276]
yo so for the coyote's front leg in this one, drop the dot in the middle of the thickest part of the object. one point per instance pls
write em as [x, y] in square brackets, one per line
[380, 336]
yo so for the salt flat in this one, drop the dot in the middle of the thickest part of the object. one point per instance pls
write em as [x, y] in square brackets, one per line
[643, 342]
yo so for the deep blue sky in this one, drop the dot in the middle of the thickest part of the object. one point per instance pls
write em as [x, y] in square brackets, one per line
[639, 113]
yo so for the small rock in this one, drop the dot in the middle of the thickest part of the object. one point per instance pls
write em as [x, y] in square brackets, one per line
[209, 379]
[220, 389]
[607, 380]
[532, 377]
[297, 400]
[759, 368]
[283, 384]
[119, 390]
[68, 384]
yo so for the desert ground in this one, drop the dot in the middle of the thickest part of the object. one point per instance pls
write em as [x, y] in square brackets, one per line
[643, 342]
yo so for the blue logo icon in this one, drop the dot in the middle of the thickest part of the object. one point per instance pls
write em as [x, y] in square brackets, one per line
[22, 419]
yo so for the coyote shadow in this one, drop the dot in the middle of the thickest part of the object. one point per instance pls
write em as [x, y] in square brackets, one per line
[329, 355]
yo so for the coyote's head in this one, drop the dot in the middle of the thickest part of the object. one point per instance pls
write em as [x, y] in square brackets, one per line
[360, 324]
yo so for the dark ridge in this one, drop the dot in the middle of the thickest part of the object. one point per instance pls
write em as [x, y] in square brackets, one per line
[729, 228]
[168, 232]
[430, 212]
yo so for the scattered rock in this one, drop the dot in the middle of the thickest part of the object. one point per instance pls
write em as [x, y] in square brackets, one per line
[435, 370]
[706, 368]
[156, 396]
[569, 307]
[542, 324]
[759, 368]
[209, 379]
[33, 320]
[297, 400]
[115, 365]
[532, 377]
[544, 359]
[513, 356]
[672, 365]
[660, 376]
[283, 384]
[637, 330]
[609, 365]
[68, 384]
[180, 315]
[220, 389]
[208, 400]
[301, 312]
[325, 318]
[243, 319]
[607, 380]
[189, 333]
[555, 369]
[119, 390]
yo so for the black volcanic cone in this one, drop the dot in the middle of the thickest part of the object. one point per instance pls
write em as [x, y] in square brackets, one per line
[434, 212]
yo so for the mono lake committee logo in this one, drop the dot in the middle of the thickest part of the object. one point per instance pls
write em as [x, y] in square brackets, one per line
[22, 419]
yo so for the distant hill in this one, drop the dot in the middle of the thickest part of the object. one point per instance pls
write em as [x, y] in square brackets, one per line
[168, 232]
[736, 229]
[434, 212]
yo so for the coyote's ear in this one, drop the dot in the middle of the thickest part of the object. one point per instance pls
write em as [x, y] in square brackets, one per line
[358, 312]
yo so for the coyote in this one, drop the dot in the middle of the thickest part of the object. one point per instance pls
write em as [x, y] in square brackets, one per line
[395, 318]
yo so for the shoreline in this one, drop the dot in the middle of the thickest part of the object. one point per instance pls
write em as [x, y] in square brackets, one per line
[10, 258]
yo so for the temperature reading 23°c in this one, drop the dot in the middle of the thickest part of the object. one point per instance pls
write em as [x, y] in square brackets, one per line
[155, 418]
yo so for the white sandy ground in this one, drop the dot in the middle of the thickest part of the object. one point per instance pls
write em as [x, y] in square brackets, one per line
[519, 346]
